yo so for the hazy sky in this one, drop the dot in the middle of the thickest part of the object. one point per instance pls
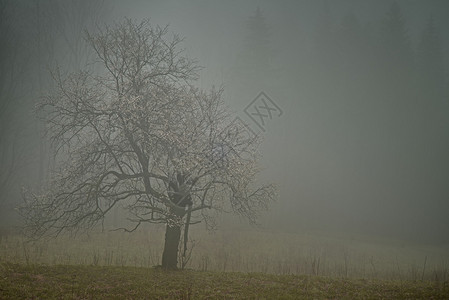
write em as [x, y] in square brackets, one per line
[346, 155]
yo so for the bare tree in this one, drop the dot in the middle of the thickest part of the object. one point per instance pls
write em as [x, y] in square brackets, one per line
[137, 134]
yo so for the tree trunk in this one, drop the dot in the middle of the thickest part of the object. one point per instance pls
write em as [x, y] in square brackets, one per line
[170, 255]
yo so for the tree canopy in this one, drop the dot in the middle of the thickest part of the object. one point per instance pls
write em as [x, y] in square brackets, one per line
[132, 130]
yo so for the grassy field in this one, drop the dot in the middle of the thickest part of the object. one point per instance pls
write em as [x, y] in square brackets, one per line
[97, 282]
[223, 264]
[243, 251]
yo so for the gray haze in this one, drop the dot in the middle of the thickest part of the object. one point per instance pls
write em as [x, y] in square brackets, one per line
[363, 140]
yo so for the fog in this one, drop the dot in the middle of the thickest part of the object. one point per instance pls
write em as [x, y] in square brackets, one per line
[358, 141]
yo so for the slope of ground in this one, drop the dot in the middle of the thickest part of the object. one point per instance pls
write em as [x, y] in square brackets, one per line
[94, 282]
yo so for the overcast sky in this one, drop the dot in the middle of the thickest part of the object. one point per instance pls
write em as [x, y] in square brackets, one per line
[350, 152]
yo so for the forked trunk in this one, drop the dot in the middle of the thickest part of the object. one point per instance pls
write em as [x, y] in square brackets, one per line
[170, 254]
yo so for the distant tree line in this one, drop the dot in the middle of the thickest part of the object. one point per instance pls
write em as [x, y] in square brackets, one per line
[385, 58]
[371, 98]
[33, 35]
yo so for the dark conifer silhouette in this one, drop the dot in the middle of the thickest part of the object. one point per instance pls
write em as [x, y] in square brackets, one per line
[430, 60]
[395, 43]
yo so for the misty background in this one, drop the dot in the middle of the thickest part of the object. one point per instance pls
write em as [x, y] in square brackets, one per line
[363, 140]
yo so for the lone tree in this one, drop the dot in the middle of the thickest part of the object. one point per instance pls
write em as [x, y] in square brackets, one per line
[137, 134]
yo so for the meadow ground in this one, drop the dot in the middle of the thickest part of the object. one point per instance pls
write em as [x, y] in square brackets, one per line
[96, 282]
[223, 264]
[243, 251]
